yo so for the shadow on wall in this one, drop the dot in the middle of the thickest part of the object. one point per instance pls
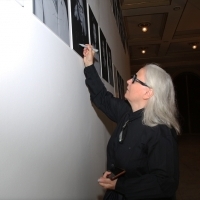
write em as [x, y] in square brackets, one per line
[110, 125]
[100, 197]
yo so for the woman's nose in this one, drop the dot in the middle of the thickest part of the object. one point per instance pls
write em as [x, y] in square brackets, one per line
[129, 81]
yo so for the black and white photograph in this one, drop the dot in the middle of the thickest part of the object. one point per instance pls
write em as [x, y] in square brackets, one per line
[109, 63]
[54, 14]
[79, 25]
[120, 86]
[115, 81]
[103, 55]
[94, 40]
[116, 8]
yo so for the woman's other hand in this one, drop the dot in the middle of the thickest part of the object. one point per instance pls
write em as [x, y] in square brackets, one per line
[106, 183]
[88, 54]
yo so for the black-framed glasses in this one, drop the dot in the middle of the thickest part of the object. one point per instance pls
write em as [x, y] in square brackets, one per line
[134, 79]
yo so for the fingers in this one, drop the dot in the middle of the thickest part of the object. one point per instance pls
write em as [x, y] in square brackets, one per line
[105, 175]
[88, 54]
[88, 49]
[105, 182]
[85, 51]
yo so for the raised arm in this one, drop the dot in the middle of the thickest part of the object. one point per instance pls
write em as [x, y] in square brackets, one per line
[113, 107]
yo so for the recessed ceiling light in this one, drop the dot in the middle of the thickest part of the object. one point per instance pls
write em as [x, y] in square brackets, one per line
[144, 26]
[194, 45]
[143, 51]
[144, 29]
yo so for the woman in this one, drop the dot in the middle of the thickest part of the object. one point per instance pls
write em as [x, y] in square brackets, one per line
[144, 141]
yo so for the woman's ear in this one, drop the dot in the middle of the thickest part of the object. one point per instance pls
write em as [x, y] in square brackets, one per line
[148, 94]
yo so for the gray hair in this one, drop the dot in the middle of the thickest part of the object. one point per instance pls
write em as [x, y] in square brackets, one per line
[161, 107]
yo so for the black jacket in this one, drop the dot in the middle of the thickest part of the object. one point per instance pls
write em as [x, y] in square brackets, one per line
[148, 154]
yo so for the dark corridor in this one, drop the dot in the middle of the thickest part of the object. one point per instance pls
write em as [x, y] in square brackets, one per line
[187, 86]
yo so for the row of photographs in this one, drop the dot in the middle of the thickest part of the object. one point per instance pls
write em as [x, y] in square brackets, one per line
[119, 84]
[117, 12]
[74, 22]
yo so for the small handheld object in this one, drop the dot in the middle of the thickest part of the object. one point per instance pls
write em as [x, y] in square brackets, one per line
[95, 50]
[115, 173]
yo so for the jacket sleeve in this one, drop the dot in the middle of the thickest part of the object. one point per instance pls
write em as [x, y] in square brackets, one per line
[113, 107]
[162, 162]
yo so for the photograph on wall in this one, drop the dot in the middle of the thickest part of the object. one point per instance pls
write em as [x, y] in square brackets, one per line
[94, 39]
[117, 11]
[103, 56]
[122, 30]
[122, 88]
[115, 82]
[114, 7]
[109, 63]
[54, 14]
[79, 25]
[120, 83]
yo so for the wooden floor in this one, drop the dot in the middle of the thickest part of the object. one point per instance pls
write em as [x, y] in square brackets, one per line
[189, 153]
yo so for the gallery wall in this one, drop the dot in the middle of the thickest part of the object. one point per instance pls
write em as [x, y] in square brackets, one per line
[52, 139]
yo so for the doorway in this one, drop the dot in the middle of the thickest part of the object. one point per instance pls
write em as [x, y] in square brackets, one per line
[187, 87]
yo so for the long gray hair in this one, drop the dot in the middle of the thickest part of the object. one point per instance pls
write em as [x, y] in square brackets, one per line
[161, 107]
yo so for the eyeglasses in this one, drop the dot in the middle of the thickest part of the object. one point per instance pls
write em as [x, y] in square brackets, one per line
[134, 79]
[123, 133]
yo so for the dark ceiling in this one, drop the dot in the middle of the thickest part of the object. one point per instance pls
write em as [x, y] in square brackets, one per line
[173, 26]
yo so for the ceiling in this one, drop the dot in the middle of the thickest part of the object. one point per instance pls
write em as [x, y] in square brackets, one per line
[174, 25]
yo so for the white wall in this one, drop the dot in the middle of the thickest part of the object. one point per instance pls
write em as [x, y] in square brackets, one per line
[52, 141]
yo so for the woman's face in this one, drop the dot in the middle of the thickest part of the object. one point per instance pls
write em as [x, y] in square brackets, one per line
[135, 91]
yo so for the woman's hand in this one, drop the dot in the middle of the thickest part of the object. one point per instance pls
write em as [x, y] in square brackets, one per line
[106, 183]
[88, 54]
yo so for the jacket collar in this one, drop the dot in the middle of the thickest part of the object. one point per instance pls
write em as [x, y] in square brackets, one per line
[136, 114]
